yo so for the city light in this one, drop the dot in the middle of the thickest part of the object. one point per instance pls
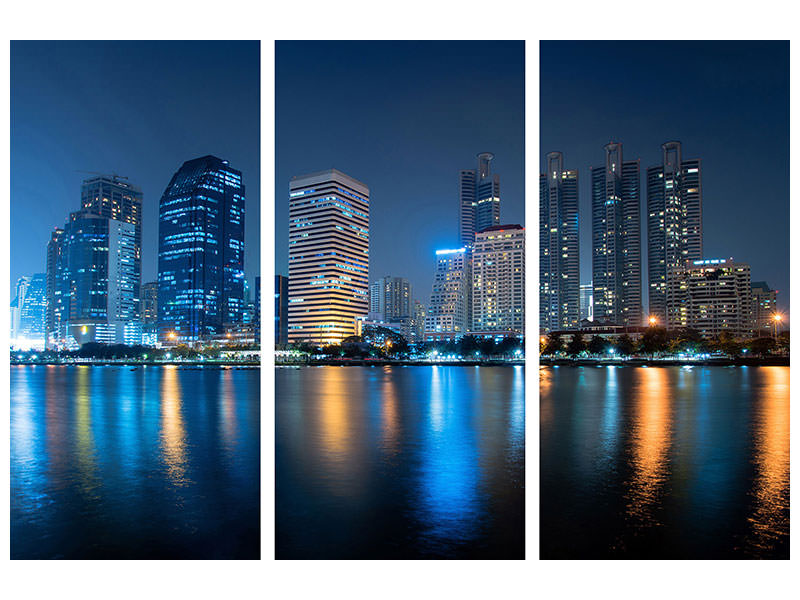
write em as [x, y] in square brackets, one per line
[653, 320]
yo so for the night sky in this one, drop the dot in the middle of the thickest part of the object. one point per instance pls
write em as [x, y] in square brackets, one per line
[727, 102]
[138, 109]
[404, 118]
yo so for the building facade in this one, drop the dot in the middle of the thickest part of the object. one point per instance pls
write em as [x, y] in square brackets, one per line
[29, 313]
[559, 262]
[479, 199]
[328, 256]
[498, 279]
[447, 309]
[711, 296]
[201, 251]
[616, 239]
[112, 197]
[674, 222]
[149, 303]
[391, 298]
[765, 307]
[281, 310]
[587, 302]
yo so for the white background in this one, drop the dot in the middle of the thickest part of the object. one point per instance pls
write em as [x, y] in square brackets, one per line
[345, 19]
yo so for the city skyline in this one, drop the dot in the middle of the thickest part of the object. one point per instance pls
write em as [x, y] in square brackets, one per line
[144, 132]
[733, 102]
[407, 143]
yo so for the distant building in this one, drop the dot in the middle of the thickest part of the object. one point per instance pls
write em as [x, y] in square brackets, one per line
[328, 256]
[559, 263]
[149, 303]
[498, 279]
[587, 307]
[711, 296]
[281, 310]
[54, 286]
[674, 223]
[447, 309]
[616, 239]
[257, 317]
[479, 199]
[765, 307]
[201, 251]
[419, 321]
[28, 313]
[390, 297]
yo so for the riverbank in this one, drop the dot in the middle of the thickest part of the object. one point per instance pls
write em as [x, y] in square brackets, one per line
[750, 361]
[146, 363]
[380, 362]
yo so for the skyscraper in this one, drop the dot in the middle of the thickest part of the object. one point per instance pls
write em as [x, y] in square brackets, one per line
[328, 256]
[109, 196]
[391, 298]
[498, 279]
[616, 239]
[674, 222]
[587, 302]
[559, 265]
[55, 311]
[149, 303]
[201, 251]
[479, 199]
[447, 309]
[28, 313]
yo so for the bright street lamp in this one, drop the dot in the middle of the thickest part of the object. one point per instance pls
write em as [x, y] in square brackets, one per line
[653, 320]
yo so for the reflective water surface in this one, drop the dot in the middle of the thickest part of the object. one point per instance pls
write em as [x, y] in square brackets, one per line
[400, 462]
[146, 462]
[664, 462]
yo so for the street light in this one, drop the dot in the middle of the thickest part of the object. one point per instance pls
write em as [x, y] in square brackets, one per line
[653, 320]
[776, 319]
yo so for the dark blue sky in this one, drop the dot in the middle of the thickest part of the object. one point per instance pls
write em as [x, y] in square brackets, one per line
[404, 118]
[138, 109]
[727, 102]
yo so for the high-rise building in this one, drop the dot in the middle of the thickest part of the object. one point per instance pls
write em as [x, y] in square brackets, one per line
[447, 309]
[328, 256]
[281, 310]
[91, 278]
[28, 313]
[149, 303]
[498, 279]
[674, 222]
[109, 196]
[419, 321]
[56, 307]
[201, 251]
[587, 302]
[765, 307]
[559, 264]
[616, 239]
[390, 297]
[711, 296]
[257, 319]
[479, 199]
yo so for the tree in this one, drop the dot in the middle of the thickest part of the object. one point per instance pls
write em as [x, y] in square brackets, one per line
[552, 345]
[625, 345]
[783, 341]
[487, 347]
[508, 345]
[762, 346]
[597, 345]
[654, 340]
[576, 344]
[725, 342]
[468, 345]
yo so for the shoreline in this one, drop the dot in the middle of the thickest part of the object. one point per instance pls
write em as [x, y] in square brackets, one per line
[775, 361]
[179, 364]
[403, 363]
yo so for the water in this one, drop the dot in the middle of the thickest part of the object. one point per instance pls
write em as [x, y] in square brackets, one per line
[151, 462]
[664, 462]
[400, 462]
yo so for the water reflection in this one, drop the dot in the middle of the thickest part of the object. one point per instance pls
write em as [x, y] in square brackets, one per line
[84, 436]
[769, 520]
[651, 430]
[173, 432]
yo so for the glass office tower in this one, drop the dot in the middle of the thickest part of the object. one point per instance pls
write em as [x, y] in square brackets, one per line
[200, 251]
[479, 199]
